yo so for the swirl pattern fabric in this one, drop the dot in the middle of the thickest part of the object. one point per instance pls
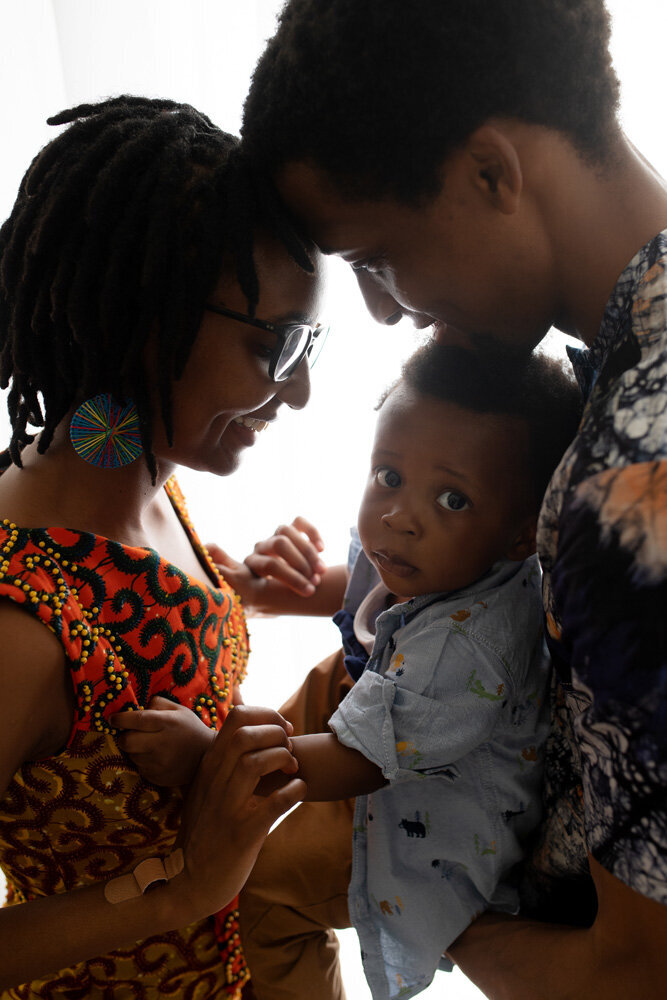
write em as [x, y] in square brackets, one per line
[132, 626]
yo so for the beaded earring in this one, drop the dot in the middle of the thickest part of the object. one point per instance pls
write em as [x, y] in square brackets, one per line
[105, 433]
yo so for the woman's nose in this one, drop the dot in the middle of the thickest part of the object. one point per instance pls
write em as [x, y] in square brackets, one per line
[295, 391]
[382, 306]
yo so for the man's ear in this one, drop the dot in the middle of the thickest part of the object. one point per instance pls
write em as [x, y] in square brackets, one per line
[524, 543]
[495, 167]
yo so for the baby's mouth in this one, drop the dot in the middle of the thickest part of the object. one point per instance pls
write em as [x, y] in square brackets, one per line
[253, 423]
[393, 564]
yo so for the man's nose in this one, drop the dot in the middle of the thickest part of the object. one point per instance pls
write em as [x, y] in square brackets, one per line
[382, 306]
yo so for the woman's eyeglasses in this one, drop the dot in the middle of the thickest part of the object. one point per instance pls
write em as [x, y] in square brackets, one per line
[295, 342]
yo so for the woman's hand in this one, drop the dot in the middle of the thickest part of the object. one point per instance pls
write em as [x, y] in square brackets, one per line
[285, 573]
[224, 822]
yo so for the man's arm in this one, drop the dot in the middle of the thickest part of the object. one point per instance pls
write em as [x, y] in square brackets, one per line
[611, 609]
[623, 956]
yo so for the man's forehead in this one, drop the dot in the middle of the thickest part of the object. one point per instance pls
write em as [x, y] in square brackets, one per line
[338, 225]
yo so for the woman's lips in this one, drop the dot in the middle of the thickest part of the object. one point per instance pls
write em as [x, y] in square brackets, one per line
[393, 564]
[247, 429]
[244, 435]
[254, 423]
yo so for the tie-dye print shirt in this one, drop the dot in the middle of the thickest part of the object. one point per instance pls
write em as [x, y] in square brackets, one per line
[603, 546]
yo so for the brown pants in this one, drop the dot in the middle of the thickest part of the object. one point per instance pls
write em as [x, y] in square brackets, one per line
[297, 891]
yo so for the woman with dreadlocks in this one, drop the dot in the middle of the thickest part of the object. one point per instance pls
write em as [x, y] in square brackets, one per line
[155, 309]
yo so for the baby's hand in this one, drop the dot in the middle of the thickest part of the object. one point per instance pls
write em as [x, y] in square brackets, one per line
[289, 559]
[291, 555]
[166, 741]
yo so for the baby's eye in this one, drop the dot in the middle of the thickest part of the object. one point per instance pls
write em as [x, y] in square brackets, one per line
[388, 477]
[452, 500]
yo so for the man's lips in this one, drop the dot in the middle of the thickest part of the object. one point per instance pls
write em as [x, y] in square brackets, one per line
[393, 564]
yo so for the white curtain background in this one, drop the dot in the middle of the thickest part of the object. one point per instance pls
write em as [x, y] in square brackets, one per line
[57, 53]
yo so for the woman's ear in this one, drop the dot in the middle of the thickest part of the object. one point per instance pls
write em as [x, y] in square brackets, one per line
[524, 543]
[495, 167]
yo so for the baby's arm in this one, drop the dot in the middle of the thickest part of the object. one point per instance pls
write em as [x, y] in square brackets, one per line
[166, 741]
[330, 770]
[285, 574]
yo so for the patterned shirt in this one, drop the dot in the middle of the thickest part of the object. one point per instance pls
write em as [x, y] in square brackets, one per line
[453, 707]
[603, 545]
[131, 626]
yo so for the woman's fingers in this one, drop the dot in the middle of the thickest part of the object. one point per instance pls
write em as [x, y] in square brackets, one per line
[246, 729]
[252, 743]
[254, 715]
[240, 738]
[233, 794]
[283, 799]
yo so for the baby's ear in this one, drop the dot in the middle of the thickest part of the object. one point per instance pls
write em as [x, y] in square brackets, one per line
[524, 544]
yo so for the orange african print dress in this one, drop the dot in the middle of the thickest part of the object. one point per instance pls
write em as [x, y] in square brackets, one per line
[132, 626]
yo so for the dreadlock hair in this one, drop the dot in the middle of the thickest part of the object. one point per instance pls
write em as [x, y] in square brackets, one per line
[120, 230]
[379, 92]
[535, 389]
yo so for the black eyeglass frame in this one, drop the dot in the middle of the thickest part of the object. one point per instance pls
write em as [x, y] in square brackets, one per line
[282, 332]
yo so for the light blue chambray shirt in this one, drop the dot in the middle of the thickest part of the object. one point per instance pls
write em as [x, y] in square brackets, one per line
[453, 708]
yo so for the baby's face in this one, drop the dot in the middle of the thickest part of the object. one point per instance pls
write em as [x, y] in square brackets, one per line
[447, 494]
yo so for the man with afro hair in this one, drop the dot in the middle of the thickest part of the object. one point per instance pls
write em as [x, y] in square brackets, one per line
[466, 159]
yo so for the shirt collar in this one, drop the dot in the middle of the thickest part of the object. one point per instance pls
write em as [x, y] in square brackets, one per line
[617, 319]
[499, 573]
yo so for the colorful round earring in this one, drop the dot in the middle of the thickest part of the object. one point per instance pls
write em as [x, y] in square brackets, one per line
[106, 433]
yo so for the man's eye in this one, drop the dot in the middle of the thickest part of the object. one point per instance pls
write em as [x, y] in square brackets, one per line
[452, 500]
[388, 477]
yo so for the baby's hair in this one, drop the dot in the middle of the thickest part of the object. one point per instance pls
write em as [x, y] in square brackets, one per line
[120, 230]
[379, 92]
[535, 389]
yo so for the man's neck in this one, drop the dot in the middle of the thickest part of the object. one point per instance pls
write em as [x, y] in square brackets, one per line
[598, 220]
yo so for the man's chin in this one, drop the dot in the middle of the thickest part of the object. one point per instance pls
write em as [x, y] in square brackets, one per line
[495, 345]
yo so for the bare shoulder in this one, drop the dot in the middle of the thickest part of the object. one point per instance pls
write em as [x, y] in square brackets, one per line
[36, 699]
